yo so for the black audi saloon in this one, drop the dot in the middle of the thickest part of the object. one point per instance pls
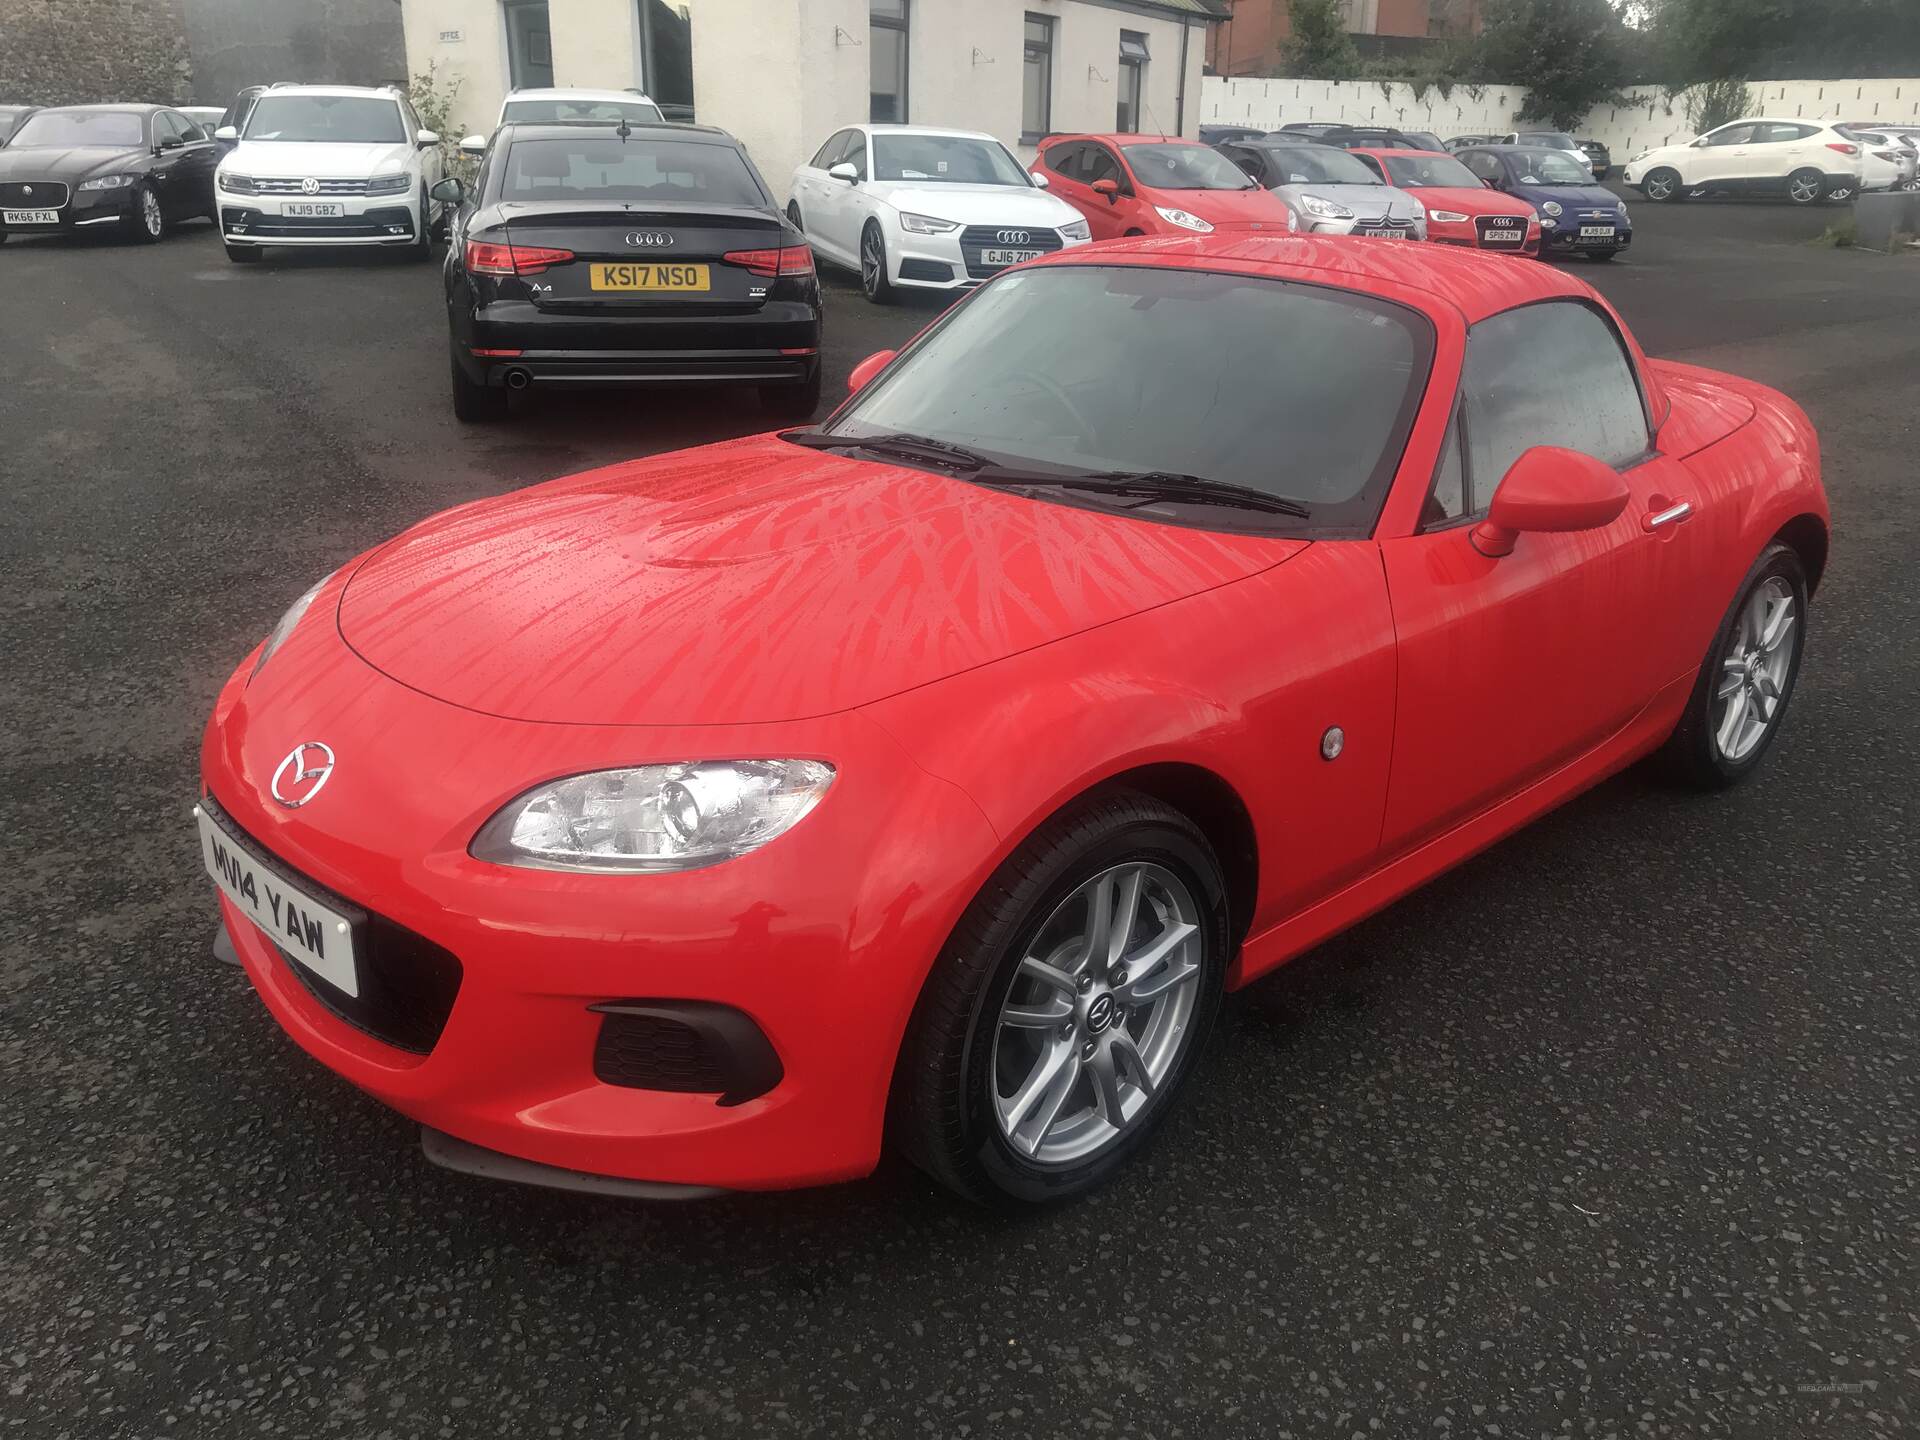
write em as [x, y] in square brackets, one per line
[130, 169]
[625, 254]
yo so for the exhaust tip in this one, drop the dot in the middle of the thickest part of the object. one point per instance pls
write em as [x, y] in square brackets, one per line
[518, 379]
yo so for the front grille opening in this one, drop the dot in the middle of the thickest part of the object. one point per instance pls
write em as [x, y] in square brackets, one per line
[686, 1047]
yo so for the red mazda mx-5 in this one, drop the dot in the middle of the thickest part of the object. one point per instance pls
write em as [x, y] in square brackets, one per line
[710, 820]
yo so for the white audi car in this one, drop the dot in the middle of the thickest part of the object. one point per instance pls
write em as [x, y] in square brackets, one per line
[912, 207]
[328, 165]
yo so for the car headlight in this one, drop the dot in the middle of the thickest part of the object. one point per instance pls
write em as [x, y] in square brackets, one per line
[1324, 209]
[1623, 213]
[238, 184]
[278, 635]
[653, 817]
[1447, 217]
[389, 184]
[925, 224]
[1078, 230]
[108, 182]
[1552, 207]
[1185, 219]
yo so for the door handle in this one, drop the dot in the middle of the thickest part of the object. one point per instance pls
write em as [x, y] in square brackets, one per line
[1672, 515]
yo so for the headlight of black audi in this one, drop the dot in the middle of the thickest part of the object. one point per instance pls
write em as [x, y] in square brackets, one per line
[388, 185]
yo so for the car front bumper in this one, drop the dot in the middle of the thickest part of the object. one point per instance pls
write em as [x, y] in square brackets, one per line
[1565, 237]
[1469, 233]
[954, 260]
[376, 220]
[1368, 228]
[818, 943]
[83, 210]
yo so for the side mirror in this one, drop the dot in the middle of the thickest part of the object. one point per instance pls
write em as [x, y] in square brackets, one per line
[1551, 491]
[1040, 180]
[1108, 188]
[450, 191]
[868, 368]
[474, 146]
[424, 138]
[1489, 182]
[227, 132]
[171, 142]
[846, 172]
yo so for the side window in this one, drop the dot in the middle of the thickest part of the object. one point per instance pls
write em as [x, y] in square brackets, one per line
[856, 153]
[1732, 135]
[1783, 134]
[1486, 166]
[1374, 165]
[824, 156]
[1448, 502]
[1065, 160]
[1548, 374]
[183, 127]
[1101, 164]
[167, 126]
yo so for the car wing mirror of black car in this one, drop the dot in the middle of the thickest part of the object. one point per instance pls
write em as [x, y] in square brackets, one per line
[846, 172]
[170, 142]
[450, 191]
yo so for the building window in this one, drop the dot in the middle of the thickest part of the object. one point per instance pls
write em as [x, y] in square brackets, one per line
[1036, 103]
[666, 52]
[529, 44]
[1133, 81]
[887, 49]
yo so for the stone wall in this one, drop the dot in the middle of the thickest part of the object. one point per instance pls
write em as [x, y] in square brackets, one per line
[255, 42]
[67, 52]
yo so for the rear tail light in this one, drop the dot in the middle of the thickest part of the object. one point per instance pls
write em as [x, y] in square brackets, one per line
[788, 260]
[477, 350]
[485, 257]
[1843, 149]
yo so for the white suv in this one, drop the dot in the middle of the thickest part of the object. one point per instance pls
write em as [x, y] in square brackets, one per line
[1802, 159]
[328, 165]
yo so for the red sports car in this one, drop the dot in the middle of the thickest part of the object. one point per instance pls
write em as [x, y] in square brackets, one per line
[1152, 185]
[709, 820]
[1460, 210]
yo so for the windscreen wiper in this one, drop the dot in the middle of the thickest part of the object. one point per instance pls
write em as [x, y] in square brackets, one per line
[1152, 485]
[908, 447]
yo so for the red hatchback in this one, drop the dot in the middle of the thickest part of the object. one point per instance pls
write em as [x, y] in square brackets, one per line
[1460, 209]
[1150, 185]
[708, 820]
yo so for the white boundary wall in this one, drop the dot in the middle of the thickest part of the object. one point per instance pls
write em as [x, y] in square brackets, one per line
[1650, 119]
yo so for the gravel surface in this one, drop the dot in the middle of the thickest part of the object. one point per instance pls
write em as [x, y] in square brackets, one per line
[1612, 1131]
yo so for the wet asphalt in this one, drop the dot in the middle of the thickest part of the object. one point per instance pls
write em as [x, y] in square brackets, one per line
[1615, 1130]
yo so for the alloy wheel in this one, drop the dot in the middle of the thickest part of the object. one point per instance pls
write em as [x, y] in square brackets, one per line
[1098, 1015]
[873, 262]
[1755, 670]
[1659, 187]
[1841, 192]
[150, 213]
[1805, 190]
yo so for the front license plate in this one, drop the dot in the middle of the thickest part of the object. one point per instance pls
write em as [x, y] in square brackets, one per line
[1008, 257]
[313, 209]
[313, 934]
[1596, 232]
[30, 217]
[650, 278]
[1506, 237]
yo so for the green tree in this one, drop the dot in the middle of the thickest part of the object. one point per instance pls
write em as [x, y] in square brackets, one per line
[1319, 47]
[1571, 54]
[1695, 40]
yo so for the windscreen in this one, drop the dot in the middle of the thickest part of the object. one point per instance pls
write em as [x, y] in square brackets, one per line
[572, 112]
[1550, 167]
[945, 159]
[1419, 172]
[337, 119]
[1551, 139]
[1320, 165]
[109, 129]
[618, 172]
[1185, 167]
[1296, 390]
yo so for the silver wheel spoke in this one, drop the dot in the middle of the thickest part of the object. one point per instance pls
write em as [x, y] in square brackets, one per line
[1768, 686]
[1038, 1017]
[1778, 631]
[1106, 1087]
[1100, 917]
[1126, 1056]
[1060, 1063]
[1731, 723]
[1150, 986]
[1046, 974]
[1126, 910]
[1733, 675]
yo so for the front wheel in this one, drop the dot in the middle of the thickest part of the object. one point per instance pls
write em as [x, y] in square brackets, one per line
[1806, 187]
[146, 222]
[1663, 185]
[1069, 1007]
[1747, 678]
[874, 280]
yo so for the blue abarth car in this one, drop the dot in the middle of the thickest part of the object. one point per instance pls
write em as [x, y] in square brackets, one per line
[1577, 216]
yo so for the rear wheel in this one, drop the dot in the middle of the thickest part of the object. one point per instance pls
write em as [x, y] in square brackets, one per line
[1842, 193]
[1746, 679]
[474, 404]
[1806, 187]
[1069, 1007]
[1663, 185]
[873, 266]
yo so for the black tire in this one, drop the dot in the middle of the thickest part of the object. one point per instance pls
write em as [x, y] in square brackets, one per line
[145, 222]
[243, 254]
[1135, 232]
[794, 403]
[793, 214]
[422, 246]
[873, 267]
[1663, 185]
[1693, 755]
[1806, 187]
[475, 404]
[942, 1112]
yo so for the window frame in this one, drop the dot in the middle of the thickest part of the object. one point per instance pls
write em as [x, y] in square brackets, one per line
[1460, 421]
[830, 147]
[1046, 50]
[1133, 75]
[902, 24]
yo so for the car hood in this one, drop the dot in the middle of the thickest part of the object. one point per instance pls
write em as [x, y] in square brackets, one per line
[1225, 209]
[79, 163]
[1472, 200]
[1572, 197]
[977, 204]
[1368, 202]
[753, 581]
[288, 159]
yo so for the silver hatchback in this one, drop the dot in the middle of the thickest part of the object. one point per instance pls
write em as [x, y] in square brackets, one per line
[1329, 190]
